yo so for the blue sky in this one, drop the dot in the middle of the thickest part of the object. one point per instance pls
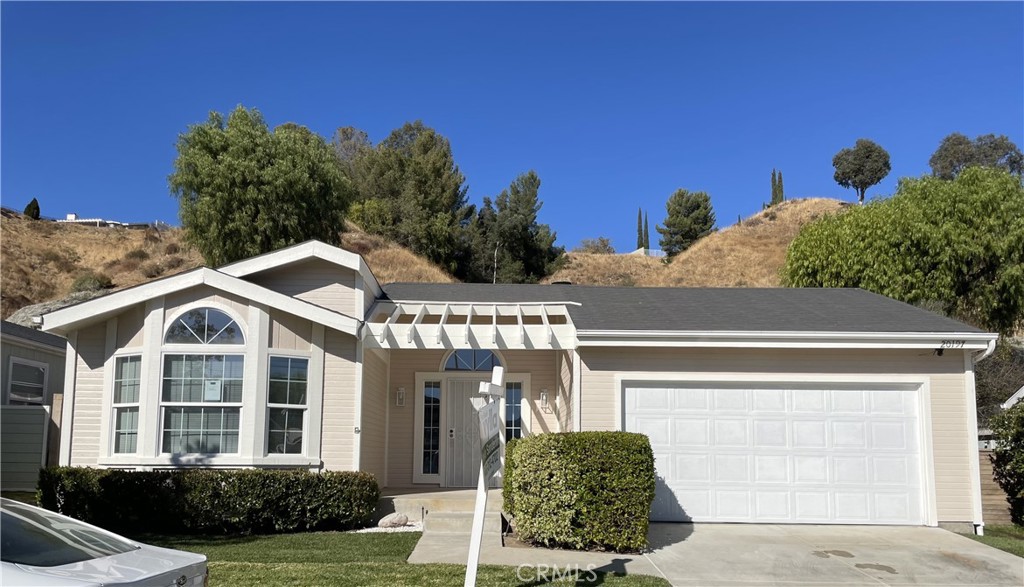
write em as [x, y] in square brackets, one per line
[614, 105]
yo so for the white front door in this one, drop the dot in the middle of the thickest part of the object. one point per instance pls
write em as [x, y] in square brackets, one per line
[462, 454]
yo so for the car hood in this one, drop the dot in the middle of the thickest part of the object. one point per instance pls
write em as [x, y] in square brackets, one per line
[147, 566]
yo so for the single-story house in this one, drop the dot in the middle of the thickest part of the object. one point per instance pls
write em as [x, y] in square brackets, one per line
[31, 384]
[762, 405]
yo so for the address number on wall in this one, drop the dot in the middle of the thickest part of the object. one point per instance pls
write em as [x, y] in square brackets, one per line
[952, 344]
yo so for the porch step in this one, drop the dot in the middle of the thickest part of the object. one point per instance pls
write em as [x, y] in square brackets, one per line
[459, 523]
[419, 506]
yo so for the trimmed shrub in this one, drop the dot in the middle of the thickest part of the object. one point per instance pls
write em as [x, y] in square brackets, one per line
[250, 501]
[582, 490]
[91, 281]
[1008, 458]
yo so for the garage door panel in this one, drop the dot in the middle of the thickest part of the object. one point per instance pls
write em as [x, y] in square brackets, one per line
[782, 455]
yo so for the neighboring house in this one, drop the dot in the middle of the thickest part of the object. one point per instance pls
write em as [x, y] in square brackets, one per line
[1016, 397]
[31, 384]
[762, 405]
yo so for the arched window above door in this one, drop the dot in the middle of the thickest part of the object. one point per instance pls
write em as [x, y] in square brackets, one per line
[471, 360]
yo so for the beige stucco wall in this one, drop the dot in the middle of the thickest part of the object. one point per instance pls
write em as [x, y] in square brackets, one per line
[373, 435]
[317, 282]
[339, 421]
[945, 375]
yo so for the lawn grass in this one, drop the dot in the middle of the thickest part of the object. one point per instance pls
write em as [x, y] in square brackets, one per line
[335, 559]
[28, 497]
[1004, 537]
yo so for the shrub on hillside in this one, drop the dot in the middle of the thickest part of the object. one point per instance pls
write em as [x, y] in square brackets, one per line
[251, 501]
[151, 269]
[1008, 457]
[582, 490]
[172, 249]
[173, 262]
[137, 255]
[91, 281]
[32, 209]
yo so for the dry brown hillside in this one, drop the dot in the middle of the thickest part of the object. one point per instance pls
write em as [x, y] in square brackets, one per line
[748, 254]
[40, 260]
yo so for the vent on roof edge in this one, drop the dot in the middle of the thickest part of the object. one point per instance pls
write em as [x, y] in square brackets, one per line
[565, 282]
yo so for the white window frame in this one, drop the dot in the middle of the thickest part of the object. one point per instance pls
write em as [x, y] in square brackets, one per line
[114, 406]
[28, 363]
[204, 351]
[304, 407]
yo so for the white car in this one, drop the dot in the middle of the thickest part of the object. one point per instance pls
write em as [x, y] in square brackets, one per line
[39, 547]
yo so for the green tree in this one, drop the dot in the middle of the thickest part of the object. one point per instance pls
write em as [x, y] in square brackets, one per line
[639, 228]
[690, 217]
[1008, 458]
[508, 243]
[956, 152]
[861, 167]
[244, 190]
[775, 187]
[410, 190]
[782, 191]
[954, 243]
[647, 233]
[32, 209]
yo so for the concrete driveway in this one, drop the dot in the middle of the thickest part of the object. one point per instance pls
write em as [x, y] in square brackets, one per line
[759, 555]
[753, 554]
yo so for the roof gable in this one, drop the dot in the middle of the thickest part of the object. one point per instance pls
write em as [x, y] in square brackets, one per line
[306, 251]
[72, 317]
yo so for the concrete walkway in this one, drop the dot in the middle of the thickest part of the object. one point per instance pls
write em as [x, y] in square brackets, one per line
[758, 555]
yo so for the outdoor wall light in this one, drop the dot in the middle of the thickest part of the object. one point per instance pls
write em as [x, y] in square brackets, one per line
[400, 397]
[543, 398]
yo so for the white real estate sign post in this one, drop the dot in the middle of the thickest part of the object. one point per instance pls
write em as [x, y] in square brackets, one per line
[490, 461]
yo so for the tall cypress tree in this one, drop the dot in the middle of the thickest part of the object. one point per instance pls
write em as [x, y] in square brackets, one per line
[775, 187]
[647, 233]
[782, 194]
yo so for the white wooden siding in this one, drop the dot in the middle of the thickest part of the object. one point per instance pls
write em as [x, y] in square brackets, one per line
[339, 422]
[85, 429]
[317, 282]
[373, 430]
[950, 436]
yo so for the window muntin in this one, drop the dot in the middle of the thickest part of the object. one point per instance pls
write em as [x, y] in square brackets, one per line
[204, 326]
[431, 428]
[127, 377]
[201, 399]
[286, 404]
[471, 360]
[513, 410]
[27, 386]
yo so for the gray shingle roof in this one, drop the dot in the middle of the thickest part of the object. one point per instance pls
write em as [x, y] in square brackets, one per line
[702, 309]
[19, 331]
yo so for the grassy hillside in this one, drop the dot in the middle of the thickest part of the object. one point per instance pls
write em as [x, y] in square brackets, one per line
[747, 254]
[40, 260]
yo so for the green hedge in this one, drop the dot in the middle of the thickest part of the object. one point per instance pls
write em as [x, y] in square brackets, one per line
[583, 490]
[251, 501]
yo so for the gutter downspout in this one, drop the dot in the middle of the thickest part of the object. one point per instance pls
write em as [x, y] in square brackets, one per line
[971, 361]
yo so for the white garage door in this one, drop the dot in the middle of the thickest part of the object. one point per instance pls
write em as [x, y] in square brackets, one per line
[820, 456]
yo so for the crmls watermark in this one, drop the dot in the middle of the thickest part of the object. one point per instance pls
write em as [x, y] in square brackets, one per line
[548, 573]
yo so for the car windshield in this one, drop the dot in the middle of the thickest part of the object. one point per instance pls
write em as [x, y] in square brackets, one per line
[36, 537]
